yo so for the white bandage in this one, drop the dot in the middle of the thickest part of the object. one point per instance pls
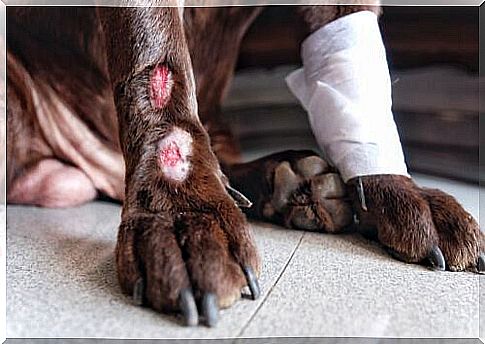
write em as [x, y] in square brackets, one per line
[345, 87]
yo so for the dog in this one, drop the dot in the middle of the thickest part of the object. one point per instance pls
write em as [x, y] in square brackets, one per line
[126, 102]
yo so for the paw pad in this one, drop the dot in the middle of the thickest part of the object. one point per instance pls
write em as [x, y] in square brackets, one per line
[309, 196]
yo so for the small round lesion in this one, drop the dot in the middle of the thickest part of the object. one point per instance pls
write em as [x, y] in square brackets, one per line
[161, 83]
[174, 150]
[170, 154]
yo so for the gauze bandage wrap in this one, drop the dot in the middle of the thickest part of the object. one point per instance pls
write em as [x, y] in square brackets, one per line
[345, 87]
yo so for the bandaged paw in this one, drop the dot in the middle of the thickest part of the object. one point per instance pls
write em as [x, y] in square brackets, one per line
[345, 87]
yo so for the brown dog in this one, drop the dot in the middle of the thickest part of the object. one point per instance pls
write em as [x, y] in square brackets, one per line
[105, 101]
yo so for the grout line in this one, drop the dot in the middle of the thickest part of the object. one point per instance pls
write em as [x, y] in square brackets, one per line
[270, 289]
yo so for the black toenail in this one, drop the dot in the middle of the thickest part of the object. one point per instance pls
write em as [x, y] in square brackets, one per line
[188, 307]
[210, 309]
[481, 263]
[437, 259]
[241, 200]
[138, 292]
[253, 283]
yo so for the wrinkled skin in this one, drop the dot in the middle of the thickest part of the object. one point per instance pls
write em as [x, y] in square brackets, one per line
[79, 99]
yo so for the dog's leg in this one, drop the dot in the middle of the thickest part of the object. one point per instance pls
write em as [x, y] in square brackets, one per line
[318, 16]
[52, 184]
[214, 36]
[417, 225]
[35, 176]
[62, 139]
[182, 238]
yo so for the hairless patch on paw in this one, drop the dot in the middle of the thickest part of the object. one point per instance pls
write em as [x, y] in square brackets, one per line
[173, 151]
[161, 83]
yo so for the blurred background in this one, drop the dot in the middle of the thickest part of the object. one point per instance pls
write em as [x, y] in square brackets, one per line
[433, 53]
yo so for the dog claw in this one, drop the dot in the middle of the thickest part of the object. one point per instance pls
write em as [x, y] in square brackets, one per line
[437, 259]
[253, 283]
[188, 307]
[395, 254]
[481, 263]
[210, 309]
[241, 200]
[138, 292]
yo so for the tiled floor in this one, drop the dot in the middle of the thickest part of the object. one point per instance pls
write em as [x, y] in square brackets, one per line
[61, 283]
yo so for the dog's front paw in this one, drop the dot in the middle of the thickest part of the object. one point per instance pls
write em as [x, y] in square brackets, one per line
[183, 243]
[199, 258]
[297, 189]
[173, 265]
[419, 225]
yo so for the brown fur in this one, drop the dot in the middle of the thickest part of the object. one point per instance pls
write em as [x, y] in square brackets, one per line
[410, 220]
[459, 235]
[318, 16]
[191, 234]
[205, 221]
[207, 28]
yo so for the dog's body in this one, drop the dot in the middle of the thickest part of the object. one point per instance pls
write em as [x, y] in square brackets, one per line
[105, 100]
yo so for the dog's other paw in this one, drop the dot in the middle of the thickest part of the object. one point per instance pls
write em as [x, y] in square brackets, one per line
[419, 225]
[297, 189]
